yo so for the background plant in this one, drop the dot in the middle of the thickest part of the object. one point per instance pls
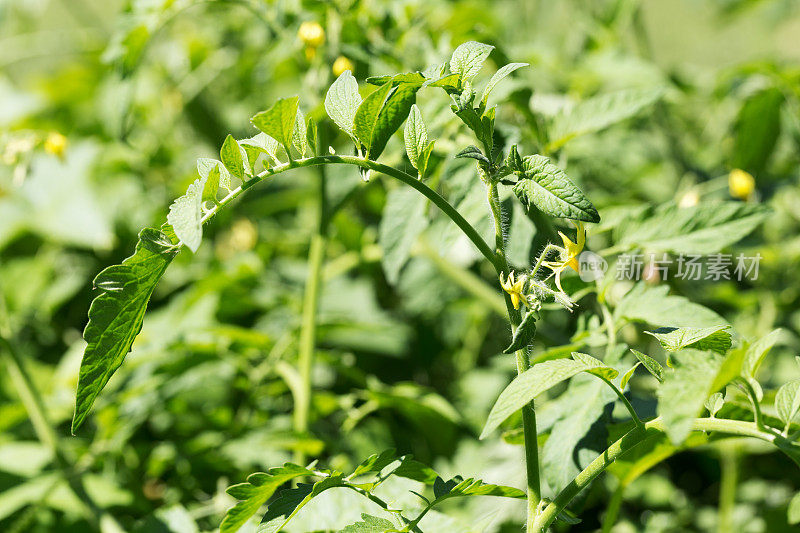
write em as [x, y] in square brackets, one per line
[201, 348]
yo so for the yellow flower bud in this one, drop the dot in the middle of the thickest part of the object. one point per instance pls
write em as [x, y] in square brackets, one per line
[341, 64]
[55, 144]
[312, 34]
[741, 184]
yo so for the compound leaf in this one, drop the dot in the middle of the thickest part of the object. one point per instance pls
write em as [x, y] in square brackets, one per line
[116, 315]
[547, 187]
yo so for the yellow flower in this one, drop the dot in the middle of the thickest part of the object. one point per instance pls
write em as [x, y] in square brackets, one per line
[312, 34]
[341, 64]
[515, 289]
[569, 254]
[741, 184]
[573, 249]
[55, 144]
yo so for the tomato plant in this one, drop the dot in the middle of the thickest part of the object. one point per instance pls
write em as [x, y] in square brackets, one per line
[389, 299]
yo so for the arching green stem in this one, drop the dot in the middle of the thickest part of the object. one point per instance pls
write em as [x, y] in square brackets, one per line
[408, 179]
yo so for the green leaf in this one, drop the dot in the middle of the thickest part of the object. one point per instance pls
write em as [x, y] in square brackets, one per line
[264, 144]
[713, 338]
[599, 112]
[290, 501]
[575, 440]
[300, 135]
[457, 488]
[232, 157]
[255, 492]
[449, 83]
[626, 377]
[402, 222]
[652, 366]
[714, 403]
[758, 127]
[532, 383]
[655, 306]
[793, 512]
[342, 102]
[473, 152]
[702, 229]
[468, 59]
[597, 367]
[685, 390]
[423, 159]
[787, 401]
[412, 469]
[397, 79]
[311, 136]
[185, 215]
[381, 114]
[757, 351]
[523, 334]
[211, 176]
[375, 463]
[547, 187]
[370, 524]
[366, 117]
[279, 121]
[498, 77]
[208, 170]
[116, 315]
[415, 136]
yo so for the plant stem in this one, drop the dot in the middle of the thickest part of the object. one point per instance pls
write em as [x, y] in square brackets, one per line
[523, 364]
[727, 488]
[308, 328]
[652, 429]
[408, 179]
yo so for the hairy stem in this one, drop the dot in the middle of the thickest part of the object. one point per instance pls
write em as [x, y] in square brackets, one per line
[408, 179]
[652, 429]
[523, 364]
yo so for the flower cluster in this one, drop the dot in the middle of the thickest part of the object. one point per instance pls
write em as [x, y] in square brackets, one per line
[528, 289]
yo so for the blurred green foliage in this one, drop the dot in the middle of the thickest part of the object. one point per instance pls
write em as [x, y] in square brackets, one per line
[410, 360]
